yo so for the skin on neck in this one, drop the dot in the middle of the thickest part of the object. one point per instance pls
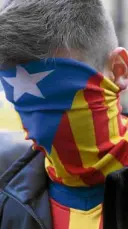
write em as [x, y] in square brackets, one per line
[79, 56]
[71, 54]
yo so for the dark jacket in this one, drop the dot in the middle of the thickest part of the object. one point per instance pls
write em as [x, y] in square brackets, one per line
[24, 200]
[116, 200]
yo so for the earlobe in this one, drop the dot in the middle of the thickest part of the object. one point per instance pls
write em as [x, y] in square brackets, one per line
[119, 66]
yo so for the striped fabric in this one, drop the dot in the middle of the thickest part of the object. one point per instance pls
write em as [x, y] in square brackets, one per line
[68, 218]
[72, 113]
[76, 207]
[80, 198]
[95, 134]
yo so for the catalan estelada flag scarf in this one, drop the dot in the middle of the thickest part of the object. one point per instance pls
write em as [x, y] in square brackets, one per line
[72, 113]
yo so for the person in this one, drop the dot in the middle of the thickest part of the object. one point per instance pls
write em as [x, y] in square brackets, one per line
[51, 53]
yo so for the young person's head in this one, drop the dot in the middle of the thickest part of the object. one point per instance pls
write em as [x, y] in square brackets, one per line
[78, 29]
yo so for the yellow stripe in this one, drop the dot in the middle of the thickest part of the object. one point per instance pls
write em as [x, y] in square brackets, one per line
[110, 91]
[85, 219]
[81, 122]
[108, 164]
[110, 86]
[124, 121]
[60, 170]
[125, 137]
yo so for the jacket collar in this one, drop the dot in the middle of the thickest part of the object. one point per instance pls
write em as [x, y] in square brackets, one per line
[26, 182]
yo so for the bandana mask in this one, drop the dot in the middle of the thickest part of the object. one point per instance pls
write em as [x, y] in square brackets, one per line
[72, 114]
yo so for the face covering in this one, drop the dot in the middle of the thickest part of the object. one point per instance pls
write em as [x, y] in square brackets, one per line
[72, 113]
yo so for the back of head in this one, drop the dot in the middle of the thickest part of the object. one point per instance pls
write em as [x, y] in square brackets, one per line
[34, 29]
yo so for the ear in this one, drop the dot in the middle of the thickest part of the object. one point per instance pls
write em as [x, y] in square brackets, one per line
[118, 65]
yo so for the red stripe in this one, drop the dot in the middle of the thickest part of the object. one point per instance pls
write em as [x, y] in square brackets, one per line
[39, 148]
[122, 128]
[60, 216]
[52, 175]
[27, 133]
[68, 154]
[120, 152]
[101, 222]
[99, 113]
[91, 176]
[66, 147]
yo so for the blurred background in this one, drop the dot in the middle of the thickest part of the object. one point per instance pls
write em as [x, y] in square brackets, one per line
[119, 12]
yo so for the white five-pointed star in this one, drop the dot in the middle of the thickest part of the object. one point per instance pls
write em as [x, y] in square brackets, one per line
[24, 83]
